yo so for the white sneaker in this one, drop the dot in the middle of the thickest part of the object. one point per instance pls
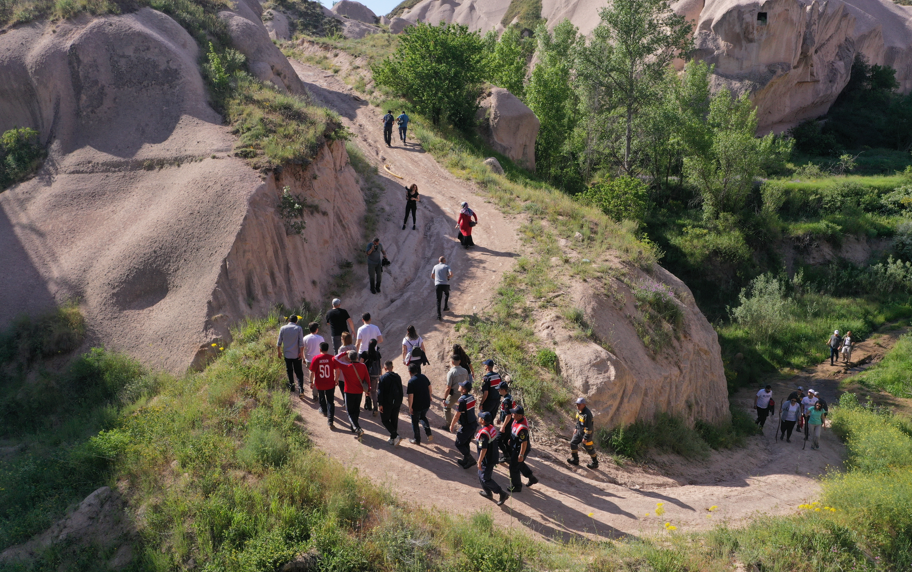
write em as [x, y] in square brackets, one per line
[413, 442]
[396, 441]
[389, 441]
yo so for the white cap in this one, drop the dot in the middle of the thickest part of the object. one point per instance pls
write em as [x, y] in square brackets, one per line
[836, 332]
[337, 302]
[812, 391]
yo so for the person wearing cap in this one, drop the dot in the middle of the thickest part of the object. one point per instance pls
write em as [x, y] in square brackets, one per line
[762, 403]
[339, 321]
[519, 450]
[468, 425]
[504, 420]
[485, 440]
[834, 342]
[465, 224]
[798, 394]
[291, 347]
[455, 377]
[490, 381]
[806, 405]
[583, 434]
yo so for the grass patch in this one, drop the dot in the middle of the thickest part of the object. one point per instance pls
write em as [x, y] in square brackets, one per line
[894, 373]
[20, 155]
[527, 14]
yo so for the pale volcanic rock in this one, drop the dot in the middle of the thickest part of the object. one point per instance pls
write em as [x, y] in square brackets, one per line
[509, 126]
[276, 24]
[354, 11]
[398, 25]
[356, 30]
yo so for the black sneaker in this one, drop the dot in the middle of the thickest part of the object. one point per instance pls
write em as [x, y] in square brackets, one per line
[573, 460]
[378, 289]
[446, 308]
[413, 227]
[439, 317]
[403, 227]
[532, 480]
[515, 490]
[373, 291]
[593, 464]
[503, 498]
[489, 496]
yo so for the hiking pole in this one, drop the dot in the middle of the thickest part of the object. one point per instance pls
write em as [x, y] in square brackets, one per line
[387, 169]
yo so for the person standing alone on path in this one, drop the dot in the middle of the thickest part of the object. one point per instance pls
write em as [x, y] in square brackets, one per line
[834, 342]
[847, 347]
[375, 256]
[487, 458]
[468, 424]
[322, 378]
[816, 418]
[411, 204]
[389, 398]
[419, 400]
[403, 121]
[467, 219]
[761, 404]
[339, 321]
[291, 347]
[441, 273]
[367, 332]
[312, 342]
[583, 435]
[388, 127]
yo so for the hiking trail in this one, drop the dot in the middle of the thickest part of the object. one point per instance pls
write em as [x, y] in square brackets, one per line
[762, 477]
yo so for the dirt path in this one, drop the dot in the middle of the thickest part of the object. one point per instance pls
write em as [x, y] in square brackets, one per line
[765, 476]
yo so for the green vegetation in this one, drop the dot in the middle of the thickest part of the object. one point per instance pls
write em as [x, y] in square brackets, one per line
[894, 373]
[305, 17]
[624, 198]
[20, 155]
[506, 61]
[526, 13]
[403, 6]
[439, 69]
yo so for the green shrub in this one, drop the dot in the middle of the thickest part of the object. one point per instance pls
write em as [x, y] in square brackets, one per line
[546, 359]
[894, 372]
[902, 241]
[848, 195]
[30, 339]
[665, 433]
[263, 447]
[20, 155]
[624, 198]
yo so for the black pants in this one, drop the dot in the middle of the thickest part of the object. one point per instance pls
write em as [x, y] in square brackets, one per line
[389, 417]
[410, 207]
[834, 354]
[353, 406]
[388, 133]
[420, 415]
[327, 398]
[337, 343]
[502, 444]
[787, 427]
[466, 240]
[443, 291]
[293, 367]
[375, 273]
[464, 441]
[486, 473]
[761, 416]
[517, 469]
[402, 129]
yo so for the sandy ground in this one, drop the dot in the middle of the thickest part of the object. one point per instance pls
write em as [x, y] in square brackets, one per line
[766, 477]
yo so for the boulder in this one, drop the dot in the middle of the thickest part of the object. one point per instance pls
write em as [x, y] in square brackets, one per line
[509, 126]
[494, 165]
[250, 37]
[354, 11]
[356, 30]
[384, 21]
[276, 24]
[398, 25]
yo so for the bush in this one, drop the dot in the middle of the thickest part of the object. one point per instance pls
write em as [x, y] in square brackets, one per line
[624, 198]
[764, 308]
[902, 241]
[30, 339]
[546, 359]
[20, 155]
[847, 195]
[665, 433]
[263, 448]
[894, 373]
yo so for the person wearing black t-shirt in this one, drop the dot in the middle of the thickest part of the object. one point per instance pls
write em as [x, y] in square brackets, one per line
[389, 399]
[411, 204]
[419, 400]
[490, 400]
[339, 321]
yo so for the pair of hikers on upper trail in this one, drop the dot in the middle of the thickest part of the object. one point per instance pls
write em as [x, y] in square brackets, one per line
[388, 120]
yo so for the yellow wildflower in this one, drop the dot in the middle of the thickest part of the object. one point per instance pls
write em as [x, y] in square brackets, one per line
[590, 514]
[213, 345]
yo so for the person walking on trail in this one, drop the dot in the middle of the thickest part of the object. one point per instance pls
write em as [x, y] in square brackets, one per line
[291, 347]
[403, 121]
[388, 120]
[419, 400]
[312, 343]
[503, 417]
[847, 347]
[467, 219]
[389, 399]
[834, 342]
[455, 377]
[464, 361]
[342, 354]
[798, 394]
[468, 424]
[441, 273]
[413, 349]
[486, 439]
[788, 415]
[355, 376]
[762, 403]
[489, 397]
[411, 204]
[323, 379]
[806, 405]
[583, 434]
[367, 332]
[816, 419]
[519, 450]
[375, 257]
[373, 362]
[339, 322]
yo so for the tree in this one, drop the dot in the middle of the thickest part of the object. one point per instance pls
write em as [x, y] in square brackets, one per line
[549, 97]
[507, 63]
[624, 198]
[439, 69]
[625, 62]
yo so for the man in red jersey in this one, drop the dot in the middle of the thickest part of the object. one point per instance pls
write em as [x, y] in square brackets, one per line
[323, 379]
[356, 378]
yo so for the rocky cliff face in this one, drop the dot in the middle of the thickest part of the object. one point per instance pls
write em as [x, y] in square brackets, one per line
[141, 212]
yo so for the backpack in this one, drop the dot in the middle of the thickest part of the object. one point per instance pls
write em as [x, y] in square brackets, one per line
[416, 354]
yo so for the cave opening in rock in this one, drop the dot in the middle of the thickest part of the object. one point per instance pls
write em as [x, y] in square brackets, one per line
[761, 18]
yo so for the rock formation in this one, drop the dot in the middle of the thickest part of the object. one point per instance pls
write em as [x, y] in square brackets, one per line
[398, 25]
[357, 30]
[276, 24]
[493, 164]
[509, 126]
[141, 213]
[354, 11]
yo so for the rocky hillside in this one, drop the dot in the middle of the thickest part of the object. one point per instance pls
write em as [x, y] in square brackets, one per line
[142, 212]
[792, 56]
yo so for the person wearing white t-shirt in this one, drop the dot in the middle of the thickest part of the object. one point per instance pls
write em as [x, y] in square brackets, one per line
[312, 343]
[366, 333]
[847, 347]
[761, 403]
[806, 405]
[791, 410]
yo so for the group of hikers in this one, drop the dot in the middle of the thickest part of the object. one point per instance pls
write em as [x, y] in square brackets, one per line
[807, 410]
[493, 421]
